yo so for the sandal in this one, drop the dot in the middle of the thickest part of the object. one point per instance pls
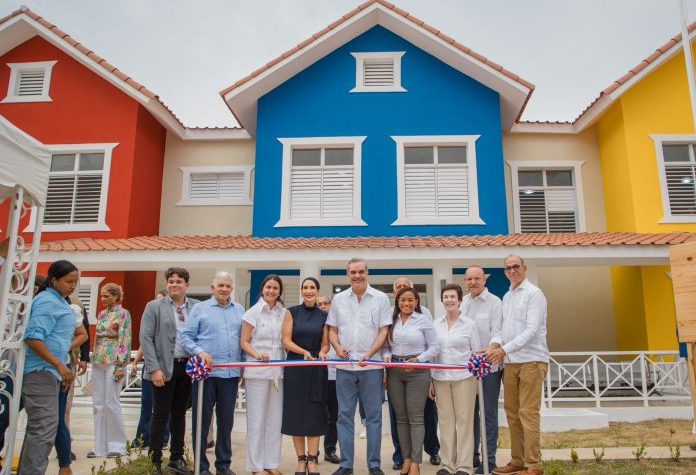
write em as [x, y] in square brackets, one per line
[312, 459]
[272, 471]
[302, 458]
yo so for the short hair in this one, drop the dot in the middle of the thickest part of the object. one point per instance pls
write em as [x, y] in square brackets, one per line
[115, 290]
[222, 275]
[410, 283]
[354, 260]
[455, 287]
[180, 271]
[516, 256]
[475, 266]
[327, 297]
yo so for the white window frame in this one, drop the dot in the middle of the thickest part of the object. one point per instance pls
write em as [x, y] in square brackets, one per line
[468, 141]
[100, 225]
[17, 68]
[575, 165]
[186, 186]
[288, 145]
[669, 139]
[360, 66]
[94, 283]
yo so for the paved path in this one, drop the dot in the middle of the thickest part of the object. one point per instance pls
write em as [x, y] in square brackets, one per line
[83, 435]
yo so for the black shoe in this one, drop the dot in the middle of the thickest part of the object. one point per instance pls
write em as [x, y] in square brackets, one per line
[226, 471]
[376, 471]
[157, 470]
[179, 467]
[461, 472]
[343, 471]
[443, 471]
[331, 457]
[435, 460]
[206, 472]
[397, 466]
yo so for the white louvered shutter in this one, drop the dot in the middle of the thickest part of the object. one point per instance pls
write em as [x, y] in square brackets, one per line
[84, 293]
[217, 186]
[30, 82]
[378, 72]
[305, 193]
[291, 290]
[59, 199]
[560, 205]
[452, 191]
[681, 189]
[420, 191]
[337, 193]
[547, 206]
[87, 199]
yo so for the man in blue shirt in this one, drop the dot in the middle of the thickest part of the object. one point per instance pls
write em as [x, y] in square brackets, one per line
[213, 331]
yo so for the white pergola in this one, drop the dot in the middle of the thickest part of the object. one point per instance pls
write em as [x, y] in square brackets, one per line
[24, 169]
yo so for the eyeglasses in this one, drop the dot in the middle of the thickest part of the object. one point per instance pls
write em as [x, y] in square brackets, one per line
[180, 314]
[513, 267]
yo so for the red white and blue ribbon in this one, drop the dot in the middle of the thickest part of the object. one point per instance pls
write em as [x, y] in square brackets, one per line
[479, 366]
[197, 369]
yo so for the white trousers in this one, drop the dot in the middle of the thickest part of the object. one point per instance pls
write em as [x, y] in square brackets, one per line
[109, 430]
[264, 420]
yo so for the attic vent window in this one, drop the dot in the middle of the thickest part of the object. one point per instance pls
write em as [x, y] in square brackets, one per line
[378, 72]
[29, 82]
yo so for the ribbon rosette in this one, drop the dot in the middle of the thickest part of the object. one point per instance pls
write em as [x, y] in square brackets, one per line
[479, 366]
[197, 369]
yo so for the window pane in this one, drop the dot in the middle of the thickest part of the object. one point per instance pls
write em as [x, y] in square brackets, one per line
[91, 161]
[306, 158]
[418, 155]
[530, 178]
[676, 153]
[338, 156]
[559, 178]
[451, 154]
[63, 163]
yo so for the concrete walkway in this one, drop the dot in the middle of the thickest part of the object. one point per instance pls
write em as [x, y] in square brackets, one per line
[83, 439]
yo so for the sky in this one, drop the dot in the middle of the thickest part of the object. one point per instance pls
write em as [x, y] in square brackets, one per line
[188, 51]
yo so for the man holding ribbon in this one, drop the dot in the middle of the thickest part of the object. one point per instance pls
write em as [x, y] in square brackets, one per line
[485, 310]
[358, 323]
[213, 331]
[523, 347]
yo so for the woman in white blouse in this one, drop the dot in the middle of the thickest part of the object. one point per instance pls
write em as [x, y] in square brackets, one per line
[455, 390]
[262, 340]
[412, 339]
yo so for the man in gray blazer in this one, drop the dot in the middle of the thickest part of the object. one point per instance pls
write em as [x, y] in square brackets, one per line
[165, 365]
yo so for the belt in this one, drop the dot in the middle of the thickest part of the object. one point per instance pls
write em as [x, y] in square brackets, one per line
[401, 359]
[183, 359]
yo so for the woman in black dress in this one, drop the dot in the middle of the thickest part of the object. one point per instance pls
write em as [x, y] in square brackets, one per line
[305, 389]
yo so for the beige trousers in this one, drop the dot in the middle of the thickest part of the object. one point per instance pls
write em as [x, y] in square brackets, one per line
[523, 385]
[455, 411]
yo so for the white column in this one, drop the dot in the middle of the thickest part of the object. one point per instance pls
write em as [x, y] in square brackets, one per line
[309, 269]
[533, 272]
[442, 273]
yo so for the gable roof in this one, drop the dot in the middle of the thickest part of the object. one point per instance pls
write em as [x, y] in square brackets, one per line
[241, 97]
[611, 93]
[23, 24]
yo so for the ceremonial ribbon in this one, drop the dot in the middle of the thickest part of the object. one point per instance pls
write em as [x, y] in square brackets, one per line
[197, 370]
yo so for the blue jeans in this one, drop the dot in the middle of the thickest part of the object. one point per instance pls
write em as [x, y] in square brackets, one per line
[143, 430]
[219, 394]
[367, 386]
[431, 444]
[62, 442]
[491, 392]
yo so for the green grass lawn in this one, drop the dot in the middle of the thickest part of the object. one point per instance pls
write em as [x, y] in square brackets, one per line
[621, 467]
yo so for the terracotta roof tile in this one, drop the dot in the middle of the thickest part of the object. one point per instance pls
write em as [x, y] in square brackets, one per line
[171, 243]
[404, 14]
[91, 55]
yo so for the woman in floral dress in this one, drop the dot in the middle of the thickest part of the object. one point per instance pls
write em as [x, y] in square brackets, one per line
[109, 361]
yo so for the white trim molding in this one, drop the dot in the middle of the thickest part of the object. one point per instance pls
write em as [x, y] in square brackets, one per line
[16, 69]
[388, 56]
[671, 139]
[575, 165]
[290, 144]
[468, 141]
[187, 172]
[100, 224]
[93, 283]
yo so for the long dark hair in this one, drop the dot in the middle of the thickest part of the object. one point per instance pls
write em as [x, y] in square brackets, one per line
[280, 284]
[57, 270]
[396, 312]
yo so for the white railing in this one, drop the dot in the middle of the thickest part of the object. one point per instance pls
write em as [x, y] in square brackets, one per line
[594, 378]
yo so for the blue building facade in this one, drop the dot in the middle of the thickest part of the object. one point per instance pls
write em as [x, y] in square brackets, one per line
[438, 101]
